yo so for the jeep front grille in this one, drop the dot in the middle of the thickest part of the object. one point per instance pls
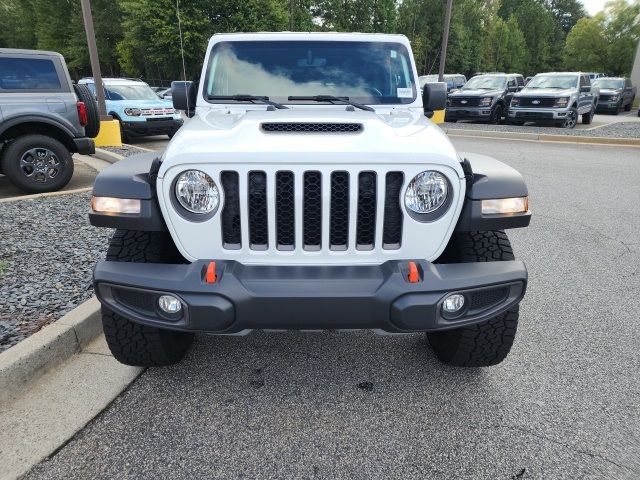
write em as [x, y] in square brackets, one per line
[323, 206]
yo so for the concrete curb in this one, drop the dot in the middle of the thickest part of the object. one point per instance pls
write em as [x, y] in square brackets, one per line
[107, 156]
[44, 195]
[543, 137]
[30, 359]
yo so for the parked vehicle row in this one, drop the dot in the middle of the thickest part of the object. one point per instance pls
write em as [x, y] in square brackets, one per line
[558, 98]
[137, 107]
[44, 119]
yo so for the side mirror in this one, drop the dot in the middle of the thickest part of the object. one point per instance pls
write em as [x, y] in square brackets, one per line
[184, 96]
[512, 89]
[585, 89]
[434, 97]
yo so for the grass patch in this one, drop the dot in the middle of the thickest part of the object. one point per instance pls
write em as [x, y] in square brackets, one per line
[3, 266]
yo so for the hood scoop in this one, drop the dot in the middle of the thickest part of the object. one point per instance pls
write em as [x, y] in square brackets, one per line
[311, 127]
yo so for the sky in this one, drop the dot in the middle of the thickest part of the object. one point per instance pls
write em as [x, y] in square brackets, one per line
[593, 6]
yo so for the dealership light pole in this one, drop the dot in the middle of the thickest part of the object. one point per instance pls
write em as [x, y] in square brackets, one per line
[445, 40]
[93, 57]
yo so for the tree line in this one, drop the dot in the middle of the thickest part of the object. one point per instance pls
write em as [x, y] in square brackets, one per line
[141, 38]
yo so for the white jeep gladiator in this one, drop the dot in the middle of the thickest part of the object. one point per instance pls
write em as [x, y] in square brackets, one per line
[309, 190]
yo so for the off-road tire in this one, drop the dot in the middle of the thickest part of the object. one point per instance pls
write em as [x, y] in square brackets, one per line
[627, 107]
[16, 149]
[588, 117]
[132, 343]
[496, 115]
[92, 128]
[487, 343]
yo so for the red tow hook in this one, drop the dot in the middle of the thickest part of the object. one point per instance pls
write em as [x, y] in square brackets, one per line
[210, 275]
[414, 275]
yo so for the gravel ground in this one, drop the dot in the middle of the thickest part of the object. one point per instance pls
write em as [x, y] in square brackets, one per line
[564, 405]
[47, 254]
[614, 130]
[125, 150]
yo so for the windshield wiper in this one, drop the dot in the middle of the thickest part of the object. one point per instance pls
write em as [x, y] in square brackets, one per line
[331, 99]
[246, 98]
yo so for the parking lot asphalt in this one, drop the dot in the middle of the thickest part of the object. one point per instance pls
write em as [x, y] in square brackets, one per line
[565, 403]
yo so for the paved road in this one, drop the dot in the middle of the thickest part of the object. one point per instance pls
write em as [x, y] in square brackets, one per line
[565, 404]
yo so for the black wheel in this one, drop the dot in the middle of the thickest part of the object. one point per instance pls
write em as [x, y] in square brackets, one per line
[37, 163]
[627, 107]
[129, 342]
[92, 128]
[572, 118]
[496, 115]
[588, 117]
[487, 343]
[123, 136]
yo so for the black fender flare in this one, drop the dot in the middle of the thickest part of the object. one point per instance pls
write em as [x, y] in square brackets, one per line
[132, 177]
[488, 178]
[64, 127]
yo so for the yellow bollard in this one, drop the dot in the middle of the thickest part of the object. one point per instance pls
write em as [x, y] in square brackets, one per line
[109, 135]
[438, 116]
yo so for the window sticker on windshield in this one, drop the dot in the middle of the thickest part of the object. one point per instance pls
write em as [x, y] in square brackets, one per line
[393, 53]
[404, 93]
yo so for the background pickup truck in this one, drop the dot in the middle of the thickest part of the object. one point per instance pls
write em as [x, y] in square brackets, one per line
[616, 93]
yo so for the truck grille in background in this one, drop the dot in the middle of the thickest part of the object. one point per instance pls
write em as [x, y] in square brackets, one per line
[604, 98]
[468, 101]
[542, 102]
[301, 127]
[335, 216]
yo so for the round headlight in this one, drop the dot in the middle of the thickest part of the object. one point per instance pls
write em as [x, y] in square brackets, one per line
[426, 193]
[197, 192]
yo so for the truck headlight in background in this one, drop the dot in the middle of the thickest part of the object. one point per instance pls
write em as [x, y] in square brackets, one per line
[505, 206]
[561, 102]
[133, 112]
[197, 192]
[486, 101]
[115, 205]
[426, 192]
[614, 98]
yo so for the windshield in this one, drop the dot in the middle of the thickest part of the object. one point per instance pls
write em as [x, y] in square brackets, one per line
[611, 83]
[130, 92]
[553, 81]
[434, 78]
[485, 82]
[366, 72]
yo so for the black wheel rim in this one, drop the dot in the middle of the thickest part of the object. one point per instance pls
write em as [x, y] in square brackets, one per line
[40, 165]
[571, 120]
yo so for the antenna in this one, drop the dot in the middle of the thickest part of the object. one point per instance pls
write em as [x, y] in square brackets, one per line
[184, 70]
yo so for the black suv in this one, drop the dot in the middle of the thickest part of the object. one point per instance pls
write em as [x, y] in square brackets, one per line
[484, 98]
[44, 118]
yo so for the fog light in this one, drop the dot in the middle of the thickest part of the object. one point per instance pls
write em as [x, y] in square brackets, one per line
[169, 304]
[453, 303]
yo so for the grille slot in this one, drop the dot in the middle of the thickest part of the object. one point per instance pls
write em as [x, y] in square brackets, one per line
[339, 220]
[258, 227]
[392, 228]
[142, 302]
[307, 127]
[487, 298]
[230, 217]
[366, 222]
[285, 211]
[312, 211]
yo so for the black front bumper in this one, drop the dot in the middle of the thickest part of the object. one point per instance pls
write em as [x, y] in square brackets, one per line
[246, 297]
[152, 127]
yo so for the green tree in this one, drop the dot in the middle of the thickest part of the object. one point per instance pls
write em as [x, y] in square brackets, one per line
[622, 30]
[505, 46]
[586, 47]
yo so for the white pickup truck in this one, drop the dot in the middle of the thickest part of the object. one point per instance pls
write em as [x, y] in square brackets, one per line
[310, 191]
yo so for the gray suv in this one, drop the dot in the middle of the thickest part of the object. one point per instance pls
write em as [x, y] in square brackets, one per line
[558, 98]
[44, 118]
